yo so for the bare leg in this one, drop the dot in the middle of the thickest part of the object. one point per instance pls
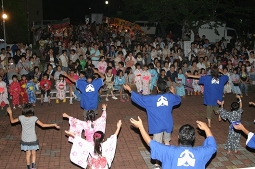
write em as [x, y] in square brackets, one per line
[41, 98]
[28, 155]
[33, 156]
[209, 122]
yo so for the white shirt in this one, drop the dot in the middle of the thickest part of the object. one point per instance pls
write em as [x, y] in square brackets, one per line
[201, 65]
[64, 60]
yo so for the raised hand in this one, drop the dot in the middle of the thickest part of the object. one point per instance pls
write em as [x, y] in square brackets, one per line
[119, 124]
[104, 106]
[136, 123]
[201, 125]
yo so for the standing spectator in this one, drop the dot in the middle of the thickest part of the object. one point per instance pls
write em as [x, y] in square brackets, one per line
[45, 85]
[15, 92]
[64, 60]
[171, 75]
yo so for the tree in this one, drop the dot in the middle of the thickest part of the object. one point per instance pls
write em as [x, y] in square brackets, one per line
[191, 13]
[16, 23]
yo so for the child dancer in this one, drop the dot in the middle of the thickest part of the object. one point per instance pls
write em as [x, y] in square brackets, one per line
[146, 80]
[30, 87]
[138, 79]
[89, 125]
[119, 80]
[189, 82]
[23, 92]
[45, 85]
[195, 84]
[15, 91]
[99, 155]
[29, 142]
[109, 81]
[3, 94]
[61, 89]
[234, 117]
[180, 81]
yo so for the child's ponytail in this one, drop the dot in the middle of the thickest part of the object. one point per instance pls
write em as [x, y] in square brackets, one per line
[98, 138]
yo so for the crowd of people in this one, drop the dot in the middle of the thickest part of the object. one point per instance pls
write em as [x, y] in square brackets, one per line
[87, 67]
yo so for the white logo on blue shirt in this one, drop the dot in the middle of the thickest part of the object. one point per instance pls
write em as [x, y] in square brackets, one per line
[90, 88]
[162, 101]
[215, 81]
[186, 159]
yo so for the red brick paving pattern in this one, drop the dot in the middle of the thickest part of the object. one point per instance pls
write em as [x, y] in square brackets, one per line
[54, 147]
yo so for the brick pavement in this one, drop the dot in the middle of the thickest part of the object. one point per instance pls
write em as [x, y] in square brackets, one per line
[131, 152]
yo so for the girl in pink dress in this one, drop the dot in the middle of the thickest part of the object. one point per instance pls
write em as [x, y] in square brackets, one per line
[90, 125]
[3, 94]
[146, 80]
[97, 156]
[102, 65]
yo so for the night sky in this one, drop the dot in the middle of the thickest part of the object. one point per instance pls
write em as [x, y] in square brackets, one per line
[77, 9]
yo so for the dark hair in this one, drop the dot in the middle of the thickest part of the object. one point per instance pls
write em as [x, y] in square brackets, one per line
[121, 63]
[28, 110]
[23, 76]
[137, 64]
[151, 66]
[215, 72]
[61, 76]
[234, 106]
[195, 71]
[90, 116]
[82, 72]
[89, 73]
[30, 77]
[118, 72]
[14, 76]
[162, 86]
[45, 74]
[108, 68]
[128, 70]
[98, 137]
[186, 135]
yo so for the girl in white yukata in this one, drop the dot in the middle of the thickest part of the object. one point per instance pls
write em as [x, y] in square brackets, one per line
[94, 156]
[89, 125]
[146, 80]
[3, 94]
[61, 89]
[195, 84]
[138, 79]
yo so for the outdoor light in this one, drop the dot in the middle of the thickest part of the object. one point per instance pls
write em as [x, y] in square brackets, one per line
[4, 16]
[106, 2]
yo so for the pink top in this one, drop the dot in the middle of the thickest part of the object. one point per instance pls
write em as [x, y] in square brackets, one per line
[101, 67]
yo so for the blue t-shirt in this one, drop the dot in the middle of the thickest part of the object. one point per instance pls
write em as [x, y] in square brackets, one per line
[213, 89]
[89, 95]
[251, 140]
[183, 157]
[159, 110]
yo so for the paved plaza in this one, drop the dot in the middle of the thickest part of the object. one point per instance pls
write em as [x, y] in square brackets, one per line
[131, 153]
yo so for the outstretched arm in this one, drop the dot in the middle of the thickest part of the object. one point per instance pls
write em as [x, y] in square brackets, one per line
[240, 101]
[69, 133]
[193, 76]
[241, 127]
[252, 103]
[139, 124]
[100, 74]
[47, 125]
[66, 115]
[71, 79]
[9, 111]
[118, 127]
[203, 126]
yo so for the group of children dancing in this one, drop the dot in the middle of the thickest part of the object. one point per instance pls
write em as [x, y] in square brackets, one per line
[92, 151]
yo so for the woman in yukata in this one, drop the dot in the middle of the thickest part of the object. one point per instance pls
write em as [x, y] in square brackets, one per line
[138, 79]
[146, 80]
[180, 82]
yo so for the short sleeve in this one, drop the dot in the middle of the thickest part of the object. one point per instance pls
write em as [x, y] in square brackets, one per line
[250, 142]
[159, 151]
[202, 80]
[35, 118]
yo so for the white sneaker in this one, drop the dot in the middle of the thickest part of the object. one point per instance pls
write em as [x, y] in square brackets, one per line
[106, 99]
[115, 98]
